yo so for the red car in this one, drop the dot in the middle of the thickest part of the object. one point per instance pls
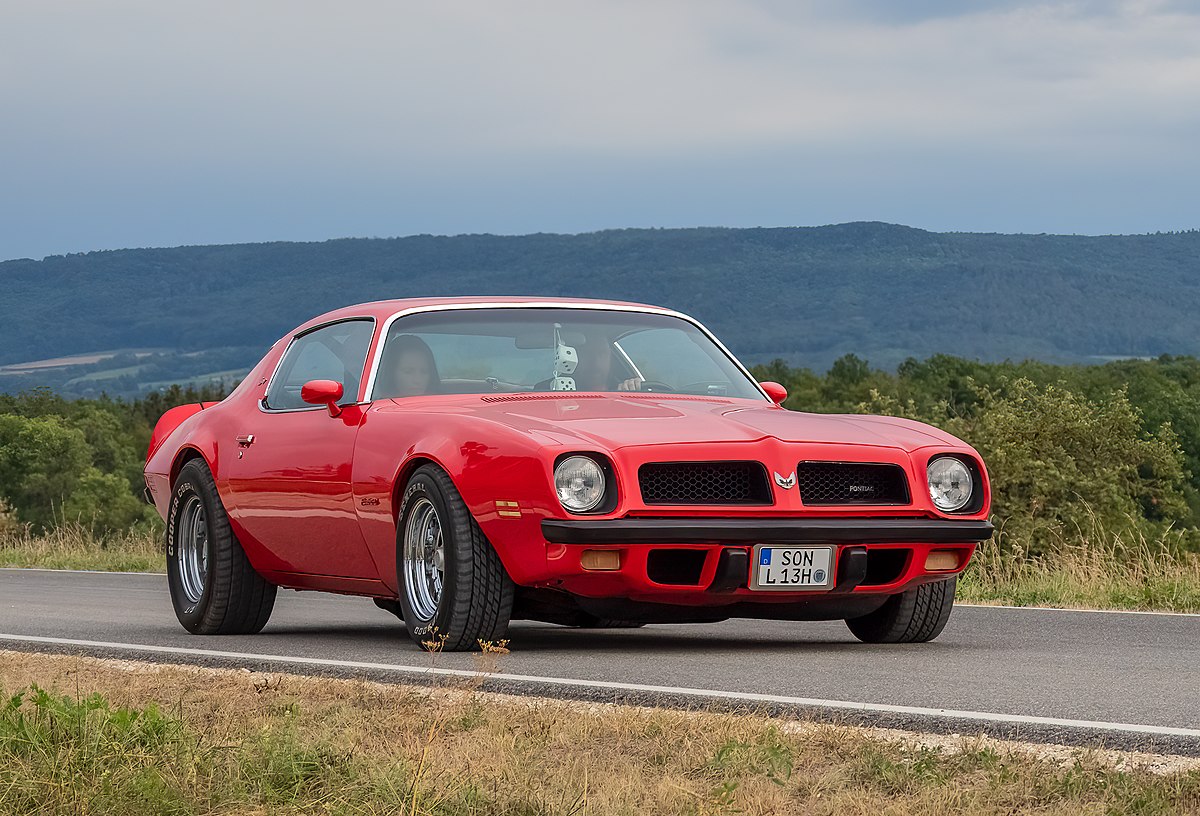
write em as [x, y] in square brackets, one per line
[467, 461]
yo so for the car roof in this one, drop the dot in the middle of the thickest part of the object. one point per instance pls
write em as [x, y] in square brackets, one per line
[383, 309]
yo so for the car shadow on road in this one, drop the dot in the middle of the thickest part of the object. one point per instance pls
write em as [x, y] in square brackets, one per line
[659, 639]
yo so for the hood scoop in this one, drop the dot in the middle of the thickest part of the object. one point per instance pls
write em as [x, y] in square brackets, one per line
[577, 395]
[573, 395]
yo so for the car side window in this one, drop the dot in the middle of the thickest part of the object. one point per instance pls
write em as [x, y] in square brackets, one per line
[336, 352]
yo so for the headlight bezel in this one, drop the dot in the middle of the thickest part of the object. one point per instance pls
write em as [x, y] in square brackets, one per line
[974, 500]
[608, 496]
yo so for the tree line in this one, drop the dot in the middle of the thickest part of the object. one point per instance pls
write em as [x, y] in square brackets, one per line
[806, 294]
[1066, 446]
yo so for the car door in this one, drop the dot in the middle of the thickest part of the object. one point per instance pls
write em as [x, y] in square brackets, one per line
[290, 483]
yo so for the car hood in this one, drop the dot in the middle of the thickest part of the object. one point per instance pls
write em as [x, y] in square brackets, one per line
[613, 421]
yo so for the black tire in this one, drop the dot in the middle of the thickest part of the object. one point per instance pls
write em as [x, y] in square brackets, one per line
[915, 616]
[234, 599]
[476, 597]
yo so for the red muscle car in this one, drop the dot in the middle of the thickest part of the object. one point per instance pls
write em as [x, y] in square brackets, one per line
[468, 461]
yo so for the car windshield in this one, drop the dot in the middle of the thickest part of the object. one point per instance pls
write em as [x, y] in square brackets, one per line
[513, 350]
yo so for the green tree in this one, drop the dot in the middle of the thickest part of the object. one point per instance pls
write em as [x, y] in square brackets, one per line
[41, 462]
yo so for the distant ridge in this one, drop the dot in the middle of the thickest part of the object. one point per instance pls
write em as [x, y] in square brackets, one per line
[808, 294]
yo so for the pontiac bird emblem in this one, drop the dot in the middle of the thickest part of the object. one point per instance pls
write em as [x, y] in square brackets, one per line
[787, 483]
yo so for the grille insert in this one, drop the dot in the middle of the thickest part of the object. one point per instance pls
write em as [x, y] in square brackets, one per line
[704, 483]
[851, 483]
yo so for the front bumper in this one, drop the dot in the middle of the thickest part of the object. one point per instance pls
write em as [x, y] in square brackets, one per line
[765, 531]
[706, 561]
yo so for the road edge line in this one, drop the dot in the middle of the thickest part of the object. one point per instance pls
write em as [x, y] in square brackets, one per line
[610, 685]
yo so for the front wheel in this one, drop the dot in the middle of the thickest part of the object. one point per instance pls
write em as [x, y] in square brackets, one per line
[917, 615]
[454, 592]
[214, 588]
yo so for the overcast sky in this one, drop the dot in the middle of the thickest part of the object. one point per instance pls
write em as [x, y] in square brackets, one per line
[162, 123]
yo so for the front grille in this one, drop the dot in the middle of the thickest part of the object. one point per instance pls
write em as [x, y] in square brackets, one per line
[851, 483]
[704, 483]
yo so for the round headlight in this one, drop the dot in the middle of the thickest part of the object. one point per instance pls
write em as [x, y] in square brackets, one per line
[950, 484]
[579, 482]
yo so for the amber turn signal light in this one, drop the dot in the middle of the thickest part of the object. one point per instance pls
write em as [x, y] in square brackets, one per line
[600, 559]
[941, 561]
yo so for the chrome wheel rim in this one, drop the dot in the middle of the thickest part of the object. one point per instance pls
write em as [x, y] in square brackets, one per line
[192, 546]
[424, 559]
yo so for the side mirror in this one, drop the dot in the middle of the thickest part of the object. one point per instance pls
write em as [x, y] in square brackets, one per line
[323, 392]
[775, 391]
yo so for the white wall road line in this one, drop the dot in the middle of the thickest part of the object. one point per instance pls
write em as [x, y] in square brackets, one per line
[567, 682]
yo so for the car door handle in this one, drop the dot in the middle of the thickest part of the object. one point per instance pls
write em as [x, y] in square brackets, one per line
[245, 440]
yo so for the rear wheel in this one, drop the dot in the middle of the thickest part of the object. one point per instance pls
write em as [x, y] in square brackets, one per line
[917, 615]
[454, 592]
[214, 589]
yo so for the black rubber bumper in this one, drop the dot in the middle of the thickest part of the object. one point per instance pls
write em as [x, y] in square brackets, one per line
[764, 531]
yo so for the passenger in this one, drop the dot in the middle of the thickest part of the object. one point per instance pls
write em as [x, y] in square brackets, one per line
[411, 368]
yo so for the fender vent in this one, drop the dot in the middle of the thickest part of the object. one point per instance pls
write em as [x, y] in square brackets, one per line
[851, 483]
[704, 483]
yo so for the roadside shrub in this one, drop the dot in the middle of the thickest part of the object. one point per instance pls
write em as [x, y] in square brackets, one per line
[10, 525]
[1062, 464]
[41, 461]
[46, 472]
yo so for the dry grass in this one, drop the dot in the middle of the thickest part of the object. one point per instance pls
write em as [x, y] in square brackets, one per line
[1091, 569]
[75, 546]
[186, 740]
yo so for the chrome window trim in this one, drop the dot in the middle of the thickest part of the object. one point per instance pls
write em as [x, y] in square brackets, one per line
[262, 401]
[637, 372]
[369, 394]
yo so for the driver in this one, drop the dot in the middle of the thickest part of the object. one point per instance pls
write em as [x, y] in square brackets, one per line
[594, 371]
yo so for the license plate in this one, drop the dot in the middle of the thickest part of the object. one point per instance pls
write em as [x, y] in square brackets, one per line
[794, 568]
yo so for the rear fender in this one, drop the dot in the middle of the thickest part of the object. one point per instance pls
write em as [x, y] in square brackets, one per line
[174, 441]
[169, 421]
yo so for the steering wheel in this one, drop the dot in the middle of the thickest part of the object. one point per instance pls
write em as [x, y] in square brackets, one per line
[655, 387]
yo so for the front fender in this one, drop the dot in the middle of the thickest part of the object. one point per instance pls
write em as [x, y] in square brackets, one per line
[499, 472]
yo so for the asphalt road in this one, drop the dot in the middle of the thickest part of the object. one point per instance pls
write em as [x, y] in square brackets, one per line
[1119, 679]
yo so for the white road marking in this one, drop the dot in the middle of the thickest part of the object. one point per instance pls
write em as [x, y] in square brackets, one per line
[568, 682]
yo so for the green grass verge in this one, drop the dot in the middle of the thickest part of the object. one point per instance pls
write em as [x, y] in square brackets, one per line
[137, 739]
[1090, 572]
[74, 546]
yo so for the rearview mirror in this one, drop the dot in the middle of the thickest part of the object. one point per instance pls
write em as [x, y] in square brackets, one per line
[323, 392]
[775, 391]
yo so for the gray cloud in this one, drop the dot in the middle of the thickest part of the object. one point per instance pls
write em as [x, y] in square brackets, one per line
[139, 123]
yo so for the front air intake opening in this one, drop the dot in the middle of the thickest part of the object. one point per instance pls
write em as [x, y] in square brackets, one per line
[885, 566]
[704, 483]
[851, 483]
[675, 567]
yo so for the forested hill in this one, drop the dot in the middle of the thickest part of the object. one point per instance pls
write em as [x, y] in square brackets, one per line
[806, 294]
